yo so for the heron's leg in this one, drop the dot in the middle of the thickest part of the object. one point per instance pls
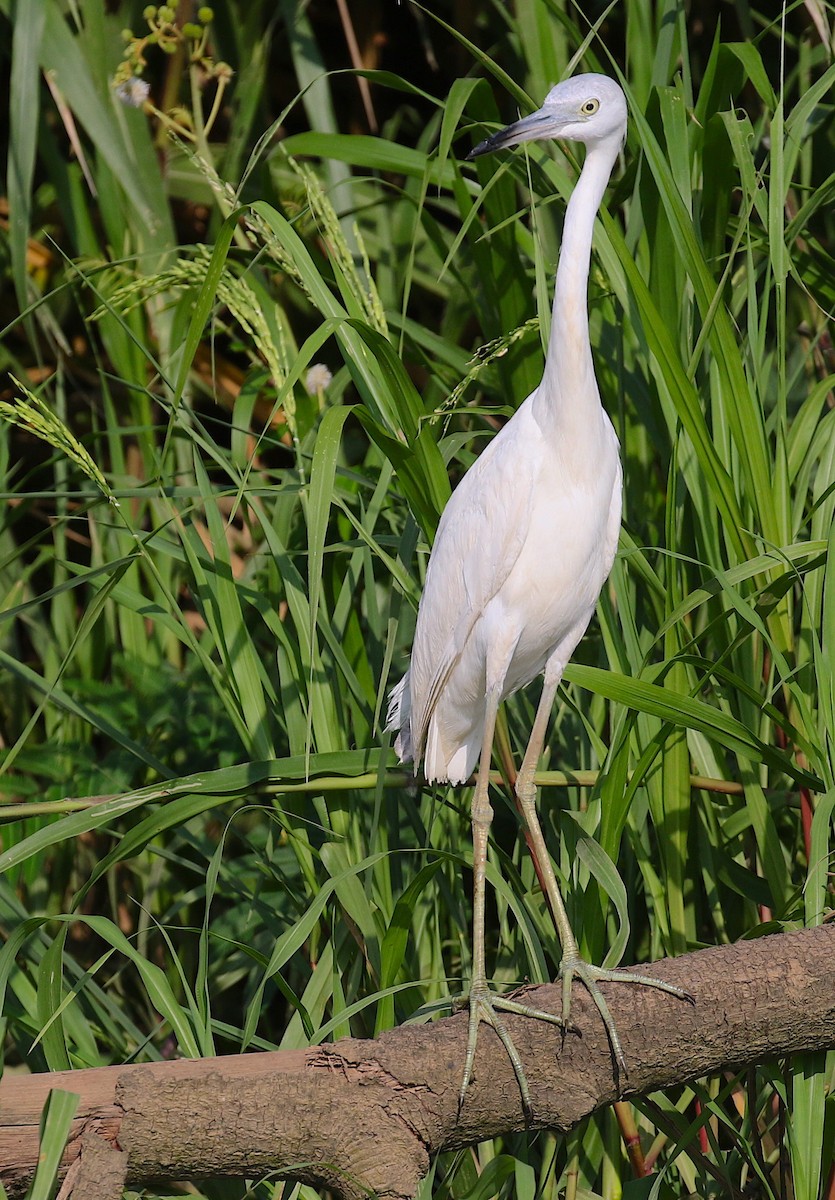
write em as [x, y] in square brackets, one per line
[572, 964]
[482, 1003]
[526, 795]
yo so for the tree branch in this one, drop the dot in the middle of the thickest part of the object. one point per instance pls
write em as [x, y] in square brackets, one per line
[362, 1116]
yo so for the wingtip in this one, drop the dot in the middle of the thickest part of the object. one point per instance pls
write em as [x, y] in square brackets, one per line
[483, 147]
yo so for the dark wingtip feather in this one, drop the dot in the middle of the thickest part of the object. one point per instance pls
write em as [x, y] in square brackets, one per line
[486, 147]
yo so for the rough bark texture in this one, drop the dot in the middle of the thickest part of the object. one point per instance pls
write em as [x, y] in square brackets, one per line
[364, 1116]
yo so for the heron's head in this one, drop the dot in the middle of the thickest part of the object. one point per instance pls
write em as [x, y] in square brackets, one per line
[587, 108]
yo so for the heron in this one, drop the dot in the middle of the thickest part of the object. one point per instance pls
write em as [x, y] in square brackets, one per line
[522, 550]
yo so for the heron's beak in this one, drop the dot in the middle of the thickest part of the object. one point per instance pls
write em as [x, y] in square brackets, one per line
[540, 124]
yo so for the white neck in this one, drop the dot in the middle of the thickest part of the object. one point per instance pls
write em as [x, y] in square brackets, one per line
[568, 393]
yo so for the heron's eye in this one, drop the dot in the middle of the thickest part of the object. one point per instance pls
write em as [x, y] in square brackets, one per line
[590, 108]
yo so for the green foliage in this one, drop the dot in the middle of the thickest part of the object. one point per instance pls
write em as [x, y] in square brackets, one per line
[249, 378]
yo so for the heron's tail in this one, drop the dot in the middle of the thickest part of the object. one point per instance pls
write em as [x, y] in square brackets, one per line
[399, 718]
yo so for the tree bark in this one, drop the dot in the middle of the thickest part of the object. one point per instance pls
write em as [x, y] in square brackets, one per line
[367, 1116]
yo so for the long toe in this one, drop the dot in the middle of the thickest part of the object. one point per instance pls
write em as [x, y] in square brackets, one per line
[591, 976]
[486, 1006]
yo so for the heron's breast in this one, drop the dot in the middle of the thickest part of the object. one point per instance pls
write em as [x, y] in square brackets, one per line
[557, 578]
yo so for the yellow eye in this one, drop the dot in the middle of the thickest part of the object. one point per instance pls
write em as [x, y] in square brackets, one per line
[590, 108]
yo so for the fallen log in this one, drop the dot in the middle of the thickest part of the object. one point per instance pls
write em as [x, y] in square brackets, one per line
[367, 1116]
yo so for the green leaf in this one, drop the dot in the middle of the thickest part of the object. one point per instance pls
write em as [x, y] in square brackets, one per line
[50, 994]
[24, 113]
[597, 861]
[205, 302]
[684, 711]
[56, 1125]
[805, 1123]
[322, 476]
[395, 941]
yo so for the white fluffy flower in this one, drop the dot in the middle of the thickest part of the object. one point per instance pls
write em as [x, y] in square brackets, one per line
[134, 91]
[317, 379]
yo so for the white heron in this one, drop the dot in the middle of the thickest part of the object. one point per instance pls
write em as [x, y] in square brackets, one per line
[523, 548]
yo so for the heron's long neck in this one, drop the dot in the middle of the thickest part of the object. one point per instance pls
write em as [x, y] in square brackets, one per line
[568, 393]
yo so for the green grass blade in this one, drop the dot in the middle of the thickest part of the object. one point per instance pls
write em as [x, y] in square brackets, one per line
[56, 1124]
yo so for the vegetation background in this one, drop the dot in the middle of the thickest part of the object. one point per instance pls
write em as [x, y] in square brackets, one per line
[258, 325]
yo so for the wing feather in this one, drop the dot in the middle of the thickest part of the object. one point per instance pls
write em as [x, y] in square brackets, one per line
[480, 536]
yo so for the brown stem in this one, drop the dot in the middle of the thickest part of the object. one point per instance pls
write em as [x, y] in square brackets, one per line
[631, 1138]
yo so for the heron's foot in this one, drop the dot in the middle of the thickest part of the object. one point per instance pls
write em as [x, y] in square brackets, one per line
[486, 1006]
[574, 967]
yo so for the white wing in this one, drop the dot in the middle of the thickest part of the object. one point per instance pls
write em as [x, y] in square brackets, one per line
[480, 536]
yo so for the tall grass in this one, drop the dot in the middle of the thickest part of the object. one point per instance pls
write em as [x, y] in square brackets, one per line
[201, 622]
